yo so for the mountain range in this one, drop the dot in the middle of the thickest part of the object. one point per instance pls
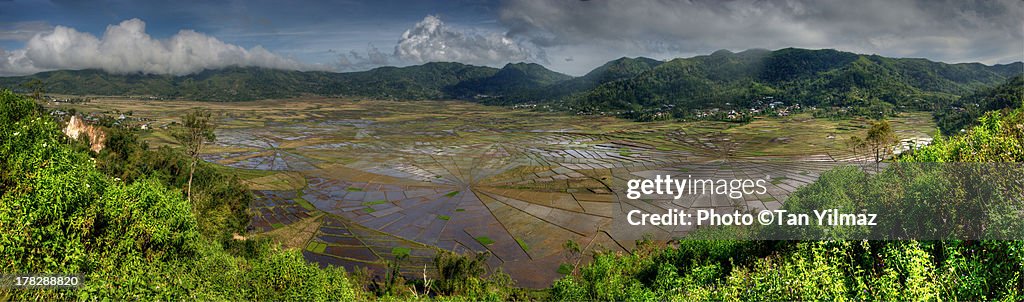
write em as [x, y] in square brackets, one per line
[632, 87]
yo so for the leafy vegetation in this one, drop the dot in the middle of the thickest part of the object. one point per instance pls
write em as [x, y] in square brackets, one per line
[718, 264]
[958, 115]
[196, 129]
[221, 200]
[999, 137]
[131, 239]
[464, 276]
[878, 142]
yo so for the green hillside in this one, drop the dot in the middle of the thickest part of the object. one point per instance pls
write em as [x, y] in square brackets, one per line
[619, 69]
[512, 82]
[631, 87]
[808, 77]
[958, 115]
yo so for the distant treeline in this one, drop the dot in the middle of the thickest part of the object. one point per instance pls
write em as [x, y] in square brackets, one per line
[637, 88]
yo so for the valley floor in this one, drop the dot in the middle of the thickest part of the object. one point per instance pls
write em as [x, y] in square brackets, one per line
[355, 183]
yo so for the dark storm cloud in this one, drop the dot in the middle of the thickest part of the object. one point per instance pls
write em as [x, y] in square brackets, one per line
[987, 31]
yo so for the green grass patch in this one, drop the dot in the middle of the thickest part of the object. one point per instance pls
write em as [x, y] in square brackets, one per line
[523, 244]
[484, 240]
[778, 180]
[316, 247]
[369, 210]
[452, 194]
[375, 202]
[400, 252]
[460, 210]
[243, 174]
[277, 225]
[354, 189]
[444, 217]
[565, 269]
[305, 204]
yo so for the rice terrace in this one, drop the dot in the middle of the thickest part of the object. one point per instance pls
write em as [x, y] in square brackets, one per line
[355, 182]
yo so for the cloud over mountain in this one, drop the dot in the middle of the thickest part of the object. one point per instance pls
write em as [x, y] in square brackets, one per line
[127, 48]
[432, 40]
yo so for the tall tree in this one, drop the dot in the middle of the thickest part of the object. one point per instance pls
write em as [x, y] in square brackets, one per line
[879, 141]
[36, 87]
[196, 129]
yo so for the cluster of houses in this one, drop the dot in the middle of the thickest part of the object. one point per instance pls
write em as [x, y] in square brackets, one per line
[761, 108]
[67, 100]
[764, 106]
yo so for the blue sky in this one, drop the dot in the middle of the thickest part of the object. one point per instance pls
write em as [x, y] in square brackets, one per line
[567, 36]
[308, 30]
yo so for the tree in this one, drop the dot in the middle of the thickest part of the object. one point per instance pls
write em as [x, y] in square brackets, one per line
[36, 87]
[878, 141]
[196, 129]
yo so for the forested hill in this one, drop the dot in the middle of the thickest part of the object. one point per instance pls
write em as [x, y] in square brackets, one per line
[627, 86]
[251, 83]
[809, 77]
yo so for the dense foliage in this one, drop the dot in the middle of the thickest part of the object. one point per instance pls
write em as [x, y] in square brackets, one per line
[240, 84]
[134, 238]
[958, 115]
[793, 76]
[716, 264]
[514, 81]
[999, 137]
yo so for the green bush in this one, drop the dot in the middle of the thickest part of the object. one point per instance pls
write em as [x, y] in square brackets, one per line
[464, 277]
[131, 240]
[999, 137]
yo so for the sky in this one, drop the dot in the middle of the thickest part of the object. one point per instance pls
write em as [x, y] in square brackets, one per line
[573, 37]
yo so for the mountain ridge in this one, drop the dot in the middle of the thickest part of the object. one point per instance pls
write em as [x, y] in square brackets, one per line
[632, 87]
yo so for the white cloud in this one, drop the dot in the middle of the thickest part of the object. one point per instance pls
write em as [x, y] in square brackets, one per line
[127, 48]
[431, 40]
